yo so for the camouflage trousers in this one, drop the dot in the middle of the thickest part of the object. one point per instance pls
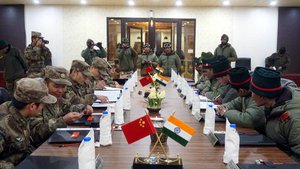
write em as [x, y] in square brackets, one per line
[6, 165]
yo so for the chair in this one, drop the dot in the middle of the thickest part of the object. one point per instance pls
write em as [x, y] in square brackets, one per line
[243, 62]
[4, 96]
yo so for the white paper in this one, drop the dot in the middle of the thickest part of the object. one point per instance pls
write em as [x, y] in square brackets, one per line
[99, 105]
[112, 95]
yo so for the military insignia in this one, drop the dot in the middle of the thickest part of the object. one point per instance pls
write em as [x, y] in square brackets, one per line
[18, 139]
[284, 117]
[62, 75]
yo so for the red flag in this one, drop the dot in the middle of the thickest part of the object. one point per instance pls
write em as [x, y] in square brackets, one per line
[149, 69]
[138, 129]
[146, 80]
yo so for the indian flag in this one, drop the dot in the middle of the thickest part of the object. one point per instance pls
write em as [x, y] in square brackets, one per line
[159, 69]
[162, 79]
[178, 130]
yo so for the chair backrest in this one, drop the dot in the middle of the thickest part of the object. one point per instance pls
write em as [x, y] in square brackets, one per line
[4, 96]
[243, 62]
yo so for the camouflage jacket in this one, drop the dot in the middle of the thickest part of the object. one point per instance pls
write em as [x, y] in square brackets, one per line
[127, 59]
[35, 57]
[143, 62]
[227, 51]
[203, 83]
[78, 94]
[89, 55]
[283, 121]
[168, 62]
[244, 112]
[43, 126]
[216, 89]
[48, 56]
[14, 136]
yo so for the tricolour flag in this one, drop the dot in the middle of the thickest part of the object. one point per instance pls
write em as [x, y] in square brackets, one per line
[138, 129]
[178, 130]
[159, 69]
[146, 80]
[162, 79]
[149, 69]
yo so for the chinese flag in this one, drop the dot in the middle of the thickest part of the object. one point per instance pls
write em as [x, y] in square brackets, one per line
[146, 80]
[138, 129]
[149, 69]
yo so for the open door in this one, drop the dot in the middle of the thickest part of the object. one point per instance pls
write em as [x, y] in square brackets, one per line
[135, 36]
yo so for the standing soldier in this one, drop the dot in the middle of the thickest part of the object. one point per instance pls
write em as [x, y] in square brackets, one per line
[282, 109]
[90, 52]
[146, 59]
[29, 99]
[242, 111]
[15, 66]
[169, 60]
[278, 61]
[127, 58]
[226, 49]
[35, 54]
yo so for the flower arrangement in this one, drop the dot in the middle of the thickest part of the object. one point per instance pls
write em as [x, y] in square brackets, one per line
[156, 96]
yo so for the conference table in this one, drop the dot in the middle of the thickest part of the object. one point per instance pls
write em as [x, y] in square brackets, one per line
[198, 153]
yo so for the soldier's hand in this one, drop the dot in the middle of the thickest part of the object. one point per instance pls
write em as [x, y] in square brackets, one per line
[88, 110]
[72, 116]
[101, 84]
[221, 109]
[103, 99]
[203, 93]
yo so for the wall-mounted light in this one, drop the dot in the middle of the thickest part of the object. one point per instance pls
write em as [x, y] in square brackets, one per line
[151, 16]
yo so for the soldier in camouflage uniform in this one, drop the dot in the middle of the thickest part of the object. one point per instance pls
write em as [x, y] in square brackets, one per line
[82, 90]
[226, 49]
[90, 53]
[169, 60]
[242, 111]
[127, 57]
[282, 109]
[52, 116]
[29, 99]
[203, 83]
[146, 59]
[279, 61]
[100, 70]
[35, 55]
[15, 66]
[220, 70]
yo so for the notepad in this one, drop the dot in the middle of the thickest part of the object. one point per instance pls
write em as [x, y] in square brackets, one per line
[48, 162]
[248, 140]
[88, 120]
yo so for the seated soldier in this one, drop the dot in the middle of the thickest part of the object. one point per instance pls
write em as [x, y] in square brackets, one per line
[100, 69]
[220, 70]
[81, 91]
[282, 109]
[52, 116]
[242, 111]
[29, 99]
[203, 82]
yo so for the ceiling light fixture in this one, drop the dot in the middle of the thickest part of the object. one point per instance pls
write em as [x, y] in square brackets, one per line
[226, 3]
[36, 1]
[131, 3]
[273, 3]
[83, 2]
[178, 2]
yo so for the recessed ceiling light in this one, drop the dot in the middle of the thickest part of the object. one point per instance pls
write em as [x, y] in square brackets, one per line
[273, 3]
[83, 1]
[36, 1]
[226, 3]
[131, 3]
[178, 3]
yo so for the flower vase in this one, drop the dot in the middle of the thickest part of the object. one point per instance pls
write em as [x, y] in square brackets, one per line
[153, 111]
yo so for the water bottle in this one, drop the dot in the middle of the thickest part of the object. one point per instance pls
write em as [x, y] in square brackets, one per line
[209, 123]
[196, 104]
[126, 99]
[119, 112]
[232, 145]
[105, 129]
[86, 154]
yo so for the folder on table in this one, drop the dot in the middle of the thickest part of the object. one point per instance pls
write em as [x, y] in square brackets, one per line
[268, 165]
[66, 135]
[48, 162]
[88, 120]
[217, 118]
[247, 140]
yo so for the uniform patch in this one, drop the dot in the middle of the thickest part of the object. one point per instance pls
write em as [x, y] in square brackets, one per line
[284, 117]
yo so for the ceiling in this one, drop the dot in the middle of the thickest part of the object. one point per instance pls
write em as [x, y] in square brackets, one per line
[161, 3]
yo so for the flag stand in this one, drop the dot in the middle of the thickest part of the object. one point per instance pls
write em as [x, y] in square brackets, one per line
[156, 162]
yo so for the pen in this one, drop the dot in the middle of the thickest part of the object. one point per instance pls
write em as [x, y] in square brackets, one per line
[217, 97]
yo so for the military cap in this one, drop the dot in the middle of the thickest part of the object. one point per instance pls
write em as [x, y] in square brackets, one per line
[101, 65]
[167, 45]
[207, 60]
[239, 78]
[90, 42]
[266, 82]
[147, 45]
[30, 90]
[125, 40]
[82, 67]
[3, 44]
[58, 75]
[36, 34]
[225, 37]
[221, 67]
